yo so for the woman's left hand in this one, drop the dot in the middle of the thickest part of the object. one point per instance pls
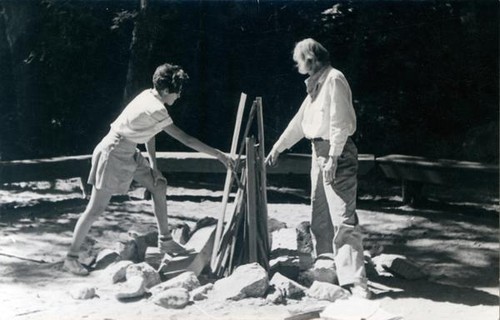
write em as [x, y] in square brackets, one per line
[157, 176]
[329, 170]
[226, 160]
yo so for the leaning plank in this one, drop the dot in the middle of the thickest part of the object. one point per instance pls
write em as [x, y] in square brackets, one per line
[251, 200]
[229, 181]
[262, 187]
[221, 259]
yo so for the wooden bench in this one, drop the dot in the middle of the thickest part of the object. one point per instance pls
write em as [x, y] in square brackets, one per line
[414, 172]
[51, 169]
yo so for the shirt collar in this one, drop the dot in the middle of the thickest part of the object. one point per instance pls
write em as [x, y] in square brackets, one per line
[314, 82]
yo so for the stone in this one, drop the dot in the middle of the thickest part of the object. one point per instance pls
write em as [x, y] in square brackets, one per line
[398, 265]
[201, 242]
[284, 242]
[154, 257]
[87, 258]
[304, 238]
[181, 233]
[323, 270]
[276, 296]
[202, 223]
[105, 258]
[326, 291]
[274, 224]
[289, 266]
[200, 293]
[82, 292]
[127, 250]
[118, 270]
[370, 267]
[149, 238]
[144, 270]
[186, 280]
[172, 266]
[201, 245]
[249, 280]
[134, 287]
[175, 298]
[306, 261]
[290, 288]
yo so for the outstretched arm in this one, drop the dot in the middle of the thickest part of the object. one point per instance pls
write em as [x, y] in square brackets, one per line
[190, 141]
[151, 151]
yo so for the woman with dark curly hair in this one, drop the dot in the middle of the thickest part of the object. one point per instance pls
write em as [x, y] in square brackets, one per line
[116, 161]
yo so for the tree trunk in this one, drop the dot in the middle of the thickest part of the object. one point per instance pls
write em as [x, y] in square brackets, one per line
[140, 51]
[17, 23]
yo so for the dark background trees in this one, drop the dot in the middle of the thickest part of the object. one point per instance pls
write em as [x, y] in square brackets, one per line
[424, 74]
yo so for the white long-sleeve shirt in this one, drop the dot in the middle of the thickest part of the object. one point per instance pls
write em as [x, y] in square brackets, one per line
[329, 116]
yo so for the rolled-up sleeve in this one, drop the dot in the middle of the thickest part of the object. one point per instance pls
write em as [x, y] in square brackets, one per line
[342, 115]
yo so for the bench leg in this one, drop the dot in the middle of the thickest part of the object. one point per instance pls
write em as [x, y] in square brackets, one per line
[412, 192]
[85, 188]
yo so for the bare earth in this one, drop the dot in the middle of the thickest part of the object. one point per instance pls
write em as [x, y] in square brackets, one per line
[454, 238]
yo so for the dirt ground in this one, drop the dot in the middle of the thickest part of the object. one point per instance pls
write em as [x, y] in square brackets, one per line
[453, 236]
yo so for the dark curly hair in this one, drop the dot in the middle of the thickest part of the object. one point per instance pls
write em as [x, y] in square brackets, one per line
[169, 76]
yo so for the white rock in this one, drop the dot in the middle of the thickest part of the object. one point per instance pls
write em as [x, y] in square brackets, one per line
[326, 291]
[288, 287]
[274, 224]
[323, 271]
[186, 280]
[132, 288]
[105, 258]
[118, 270]
[398, 265]
[200, 293]
[248, 280]
[82, 292]
[277, 296]
[150, 275]
[127, 250]
[175, 298]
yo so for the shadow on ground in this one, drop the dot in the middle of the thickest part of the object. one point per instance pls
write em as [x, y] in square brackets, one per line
[456, 240]
[435, 292]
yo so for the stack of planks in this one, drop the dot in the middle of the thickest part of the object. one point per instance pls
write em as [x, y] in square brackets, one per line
[242, 237]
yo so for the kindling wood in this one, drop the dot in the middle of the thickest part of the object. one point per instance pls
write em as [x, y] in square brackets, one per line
[245, 237]
[229, 178]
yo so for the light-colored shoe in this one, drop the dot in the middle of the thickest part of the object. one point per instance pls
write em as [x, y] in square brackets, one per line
[72, 265]
[360, 290]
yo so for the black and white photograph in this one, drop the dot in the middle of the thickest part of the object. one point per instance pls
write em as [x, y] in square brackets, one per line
[249, 159]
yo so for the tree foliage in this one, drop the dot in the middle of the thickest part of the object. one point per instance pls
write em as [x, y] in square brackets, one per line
[424, 74]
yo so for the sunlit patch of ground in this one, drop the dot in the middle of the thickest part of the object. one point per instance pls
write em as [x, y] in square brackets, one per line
[454, 238]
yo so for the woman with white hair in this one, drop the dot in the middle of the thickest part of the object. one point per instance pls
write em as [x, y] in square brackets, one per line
[326, 117]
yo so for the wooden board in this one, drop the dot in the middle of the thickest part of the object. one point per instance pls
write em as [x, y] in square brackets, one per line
[438, 171]
[170, 162]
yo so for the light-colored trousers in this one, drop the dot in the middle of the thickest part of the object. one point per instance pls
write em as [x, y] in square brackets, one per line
[334, 222]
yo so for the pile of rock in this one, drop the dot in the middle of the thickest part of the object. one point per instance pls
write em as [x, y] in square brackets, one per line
[293, 272]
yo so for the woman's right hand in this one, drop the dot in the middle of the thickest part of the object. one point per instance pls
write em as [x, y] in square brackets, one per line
[272, 158]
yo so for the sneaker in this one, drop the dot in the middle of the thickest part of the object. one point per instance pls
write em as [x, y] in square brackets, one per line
[72, 265]
[359, 290]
